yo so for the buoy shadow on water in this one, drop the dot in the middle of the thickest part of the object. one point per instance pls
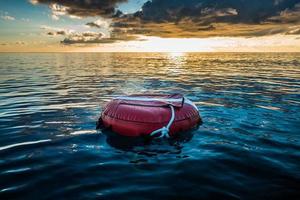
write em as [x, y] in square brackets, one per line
[126, 143]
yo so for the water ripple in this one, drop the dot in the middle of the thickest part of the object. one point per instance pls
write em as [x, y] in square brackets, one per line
[23, 144]
[247, 148]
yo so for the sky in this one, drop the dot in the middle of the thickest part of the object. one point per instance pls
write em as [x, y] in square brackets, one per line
[150, 26]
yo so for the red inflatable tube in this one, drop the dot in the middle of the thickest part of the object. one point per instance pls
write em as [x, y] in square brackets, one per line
[140, 115]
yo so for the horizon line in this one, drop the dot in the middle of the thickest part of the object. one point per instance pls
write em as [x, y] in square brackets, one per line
[150, 52]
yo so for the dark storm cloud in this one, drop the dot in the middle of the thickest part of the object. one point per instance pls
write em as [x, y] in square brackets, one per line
[201, 11]
[185, 18]
[84, 8]
[209, 18]
[233, 11]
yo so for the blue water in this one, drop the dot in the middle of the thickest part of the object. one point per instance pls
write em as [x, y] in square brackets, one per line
[247, 148]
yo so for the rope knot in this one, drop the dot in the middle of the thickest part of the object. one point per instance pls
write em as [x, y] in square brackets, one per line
[164, 131]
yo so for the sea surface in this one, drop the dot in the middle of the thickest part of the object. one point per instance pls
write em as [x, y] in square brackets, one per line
[247, 148]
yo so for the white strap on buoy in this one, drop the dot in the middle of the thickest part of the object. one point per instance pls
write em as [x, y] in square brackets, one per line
[126, 98]
[165, 130]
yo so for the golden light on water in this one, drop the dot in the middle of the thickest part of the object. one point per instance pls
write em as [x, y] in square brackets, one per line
[177, 60]
[176, 55]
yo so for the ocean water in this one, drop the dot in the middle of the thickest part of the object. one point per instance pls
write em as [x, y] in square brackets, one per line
[247, 148]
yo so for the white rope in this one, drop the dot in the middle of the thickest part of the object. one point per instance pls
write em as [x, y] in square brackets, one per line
[165, 130]
[148, 99]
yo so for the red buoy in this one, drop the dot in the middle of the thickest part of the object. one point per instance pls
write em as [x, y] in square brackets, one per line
[156, 115]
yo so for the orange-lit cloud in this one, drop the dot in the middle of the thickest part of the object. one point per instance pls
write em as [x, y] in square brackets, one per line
[187, 19]
[168, 25]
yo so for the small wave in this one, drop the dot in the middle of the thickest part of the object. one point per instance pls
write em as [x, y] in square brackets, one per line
[269, 107]
[209, 104]
[58, 122]
[17, 170]
[82, 132]
[49, 146]
[12, 188]
[23, 144]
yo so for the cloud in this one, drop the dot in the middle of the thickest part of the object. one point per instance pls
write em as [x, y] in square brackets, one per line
[73, 37]
[211, 18]
[294, 30]
[93, 25]
[7, 17]
[54, 31]
[94, 38]
[83, 38]
[182, 18]
[81, 8]
[18, 43]
[57, 10]
[54, 17]
[287, 16]
[100, 23]
[230, 11]
[233, 11]
[21, 43]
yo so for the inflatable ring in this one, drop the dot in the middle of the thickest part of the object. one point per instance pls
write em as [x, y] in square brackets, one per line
[155, 115]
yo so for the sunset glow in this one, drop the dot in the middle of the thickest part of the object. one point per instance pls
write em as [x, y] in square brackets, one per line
[61, 26]
[278, 43]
